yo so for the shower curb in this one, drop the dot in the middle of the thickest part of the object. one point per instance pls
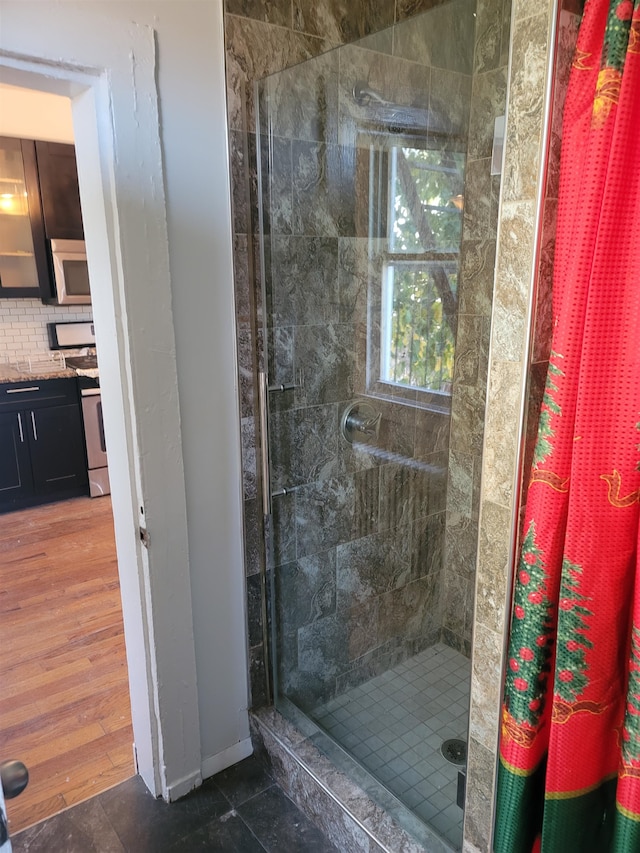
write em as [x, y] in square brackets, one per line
[334, 803]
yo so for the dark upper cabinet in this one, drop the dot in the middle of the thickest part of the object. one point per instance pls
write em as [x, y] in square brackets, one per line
[39, 202]
[59, 191]
[24, 264]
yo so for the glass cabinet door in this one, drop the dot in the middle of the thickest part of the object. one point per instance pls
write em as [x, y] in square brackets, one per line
[22, 246]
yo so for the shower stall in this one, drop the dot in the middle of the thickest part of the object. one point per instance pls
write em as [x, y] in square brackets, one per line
[378, 226]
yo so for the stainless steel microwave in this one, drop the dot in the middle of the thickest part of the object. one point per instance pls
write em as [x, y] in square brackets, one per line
[70, 272]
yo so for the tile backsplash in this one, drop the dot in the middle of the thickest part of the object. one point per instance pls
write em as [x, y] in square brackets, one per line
[23, 325]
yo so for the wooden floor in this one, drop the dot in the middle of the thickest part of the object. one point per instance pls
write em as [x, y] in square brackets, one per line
[64, 700]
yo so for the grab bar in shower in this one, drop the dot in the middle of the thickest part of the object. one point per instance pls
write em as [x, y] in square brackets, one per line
[263, 403]
[264, 389]
[265, 467]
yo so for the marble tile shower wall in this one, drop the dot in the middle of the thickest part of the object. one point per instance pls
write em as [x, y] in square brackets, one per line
[478, 249]
[262, 37]
[359, 543]
[516, 376]
[542, 329]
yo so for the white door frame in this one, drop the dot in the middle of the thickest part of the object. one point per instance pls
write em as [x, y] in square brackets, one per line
[116, 127]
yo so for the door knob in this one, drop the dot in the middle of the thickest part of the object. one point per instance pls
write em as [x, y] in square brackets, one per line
[15, 778]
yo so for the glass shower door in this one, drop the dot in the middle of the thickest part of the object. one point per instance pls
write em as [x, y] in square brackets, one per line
[363, 157]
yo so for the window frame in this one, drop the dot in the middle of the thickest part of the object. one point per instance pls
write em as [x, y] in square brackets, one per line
[382, 180]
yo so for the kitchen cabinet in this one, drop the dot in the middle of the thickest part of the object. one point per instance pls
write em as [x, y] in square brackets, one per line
[24, 266]
[16, 482]
[57, 448]
[42, 454]
[39, 202]
[59, 191]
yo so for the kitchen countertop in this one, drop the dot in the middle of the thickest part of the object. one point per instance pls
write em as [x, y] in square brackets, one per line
[8, 373]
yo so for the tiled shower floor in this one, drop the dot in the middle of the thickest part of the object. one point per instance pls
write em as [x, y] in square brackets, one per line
[394, 725]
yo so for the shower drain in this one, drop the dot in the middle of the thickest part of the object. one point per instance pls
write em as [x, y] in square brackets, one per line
[454, 750]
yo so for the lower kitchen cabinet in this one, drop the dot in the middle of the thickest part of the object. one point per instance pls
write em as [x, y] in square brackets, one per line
[42, 452]
[57, 449]
[16, 482]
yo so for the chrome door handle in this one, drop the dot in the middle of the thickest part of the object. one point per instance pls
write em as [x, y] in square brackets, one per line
[20, 428]
[263, 403]
[33, 424]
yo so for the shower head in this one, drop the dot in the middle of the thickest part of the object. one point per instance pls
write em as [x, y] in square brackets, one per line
[399, 118]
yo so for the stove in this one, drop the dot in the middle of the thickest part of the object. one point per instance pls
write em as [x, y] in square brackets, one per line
[76, 335]
[86, 368]
[82, 362]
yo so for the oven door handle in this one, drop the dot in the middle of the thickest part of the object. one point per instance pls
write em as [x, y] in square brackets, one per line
[103, 443]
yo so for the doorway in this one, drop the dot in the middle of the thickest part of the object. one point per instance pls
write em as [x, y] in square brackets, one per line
[65, 709]
[99, 523]
[182, 595]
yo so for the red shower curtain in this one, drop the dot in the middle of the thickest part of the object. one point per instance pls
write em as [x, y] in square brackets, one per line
[569, 773]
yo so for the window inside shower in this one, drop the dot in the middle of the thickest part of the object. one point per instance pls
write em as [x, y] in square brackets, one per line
[418, 343]
[374, 400]
[420, 272]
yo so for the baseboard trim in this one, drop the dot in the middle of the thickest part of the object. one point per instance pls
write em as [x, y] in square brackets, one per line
[182, 787]
[221, 760]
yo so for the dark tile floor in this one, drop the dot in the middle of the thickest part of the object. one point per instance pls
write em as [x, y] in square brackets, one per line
[241, 809]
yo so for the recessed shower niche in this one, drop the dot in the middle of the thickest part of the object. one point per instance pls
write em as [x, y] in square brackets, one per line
[378, 223]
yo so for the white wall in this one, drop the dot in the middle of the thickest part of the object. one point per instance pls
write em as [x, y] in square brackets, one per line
[35, 115]
[192, 100]
[194, 137]
[179, 347]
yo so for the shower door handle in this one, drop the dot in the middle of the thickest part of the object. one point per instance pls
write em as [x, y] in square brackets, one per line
[263, 403]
